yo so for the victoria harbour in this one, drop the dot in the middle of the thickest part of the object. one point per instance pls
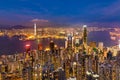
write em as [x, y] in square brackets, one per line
[14, 45]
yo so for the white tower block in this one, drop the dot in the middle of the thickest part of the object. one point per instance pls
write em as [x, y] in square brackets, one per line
[35, 29]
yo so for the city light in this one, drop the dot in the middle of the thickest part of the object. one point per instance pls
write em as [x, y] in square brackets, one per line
[47, 49]
[27, 45]
[69, 56]
[88, 73]
[119, 44]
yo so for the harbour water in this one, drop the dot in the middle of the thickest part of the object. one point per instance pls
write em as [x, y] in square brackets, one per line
[14, 45]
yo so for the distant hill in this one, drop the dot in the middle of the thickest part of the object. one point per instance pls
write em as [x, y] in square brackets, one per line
[18, 27]
[55, 25]
[12, 27]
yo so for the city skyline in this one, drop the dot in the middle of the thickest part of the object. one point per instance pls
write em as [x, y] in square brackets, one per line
[68, 12]
[66, 54]
[59, 40]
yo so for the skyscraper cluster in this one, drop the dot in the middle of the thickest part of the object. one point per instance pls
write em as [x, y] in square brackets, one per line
[77, 60]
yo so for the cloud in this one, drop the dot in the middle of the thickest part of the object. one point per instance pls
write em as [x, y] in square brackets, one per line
[105, 13]
[39, 20]
[112, 9]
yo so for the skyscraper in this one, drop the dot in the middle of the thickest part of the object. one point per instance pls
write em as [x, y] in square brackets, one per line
[100, 45]
[35, 29]
[52, 46]
[70, 39]
[27, 47]
[85, 37]
[85, 34]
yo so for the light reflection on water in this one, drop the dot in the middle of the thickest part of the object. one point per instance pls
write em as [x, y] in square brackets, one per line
[13, 45]
[102, 36]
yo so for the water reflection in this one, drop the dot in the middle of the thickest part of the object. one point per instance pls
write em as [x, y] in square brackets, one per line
[14, 45]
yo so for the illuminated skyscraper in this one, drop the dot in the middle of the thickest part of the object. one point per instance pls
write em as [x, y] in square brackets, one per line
[35, 29]
[109, 55]
[27, 47]
[84, 38]
[52, 46]
[100, 45]
[85, 35]
[77, 44]
[69, 41]
[40, 46]
[66, 43]
[92, 44]
[119, 44]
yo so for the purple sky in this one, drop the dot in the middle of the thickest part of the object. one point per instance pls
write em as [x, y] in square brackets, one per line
[60, 11]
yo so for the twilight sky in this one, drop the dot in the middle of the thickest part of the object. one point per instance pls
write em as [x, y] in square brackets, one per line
[61, 11]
